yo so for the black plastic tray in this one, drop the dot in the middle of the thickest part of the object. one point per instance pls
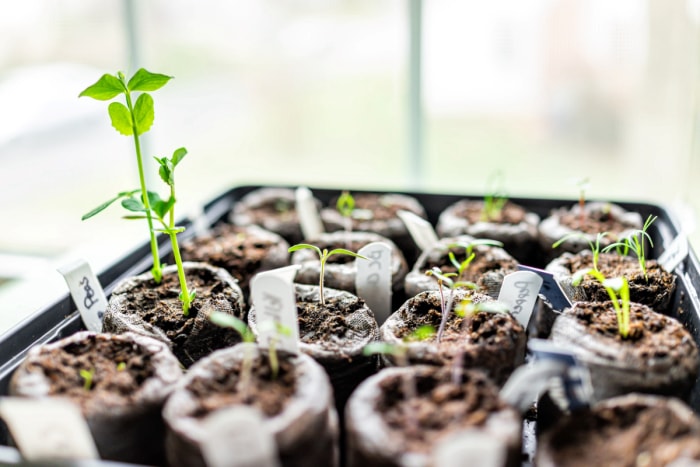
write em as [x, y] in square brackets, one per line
[61, 319]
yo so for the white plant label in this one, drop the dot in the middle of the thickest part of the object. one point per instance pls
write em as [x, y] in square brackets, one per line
[420, 230]
[275, 304]
[48, 429]
[519, 292]
[373, 279]
[470, 447]
[309, 218]
[674, 255]
[87, 293]
[236, 437]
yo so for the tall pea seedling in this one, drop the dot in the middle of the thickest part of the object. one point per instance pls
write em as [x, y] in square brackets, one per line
[132, 119]
[323, 257]
[135, 119]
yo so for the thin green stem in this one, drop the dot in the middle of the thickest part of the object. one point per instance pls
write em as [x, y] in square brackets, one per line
[184, 294]
[320, 281]
[157, 269]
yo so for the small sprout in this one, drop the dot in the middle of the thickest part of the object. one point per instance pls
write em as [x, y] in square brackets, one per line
[452, 284]
[132, 119]
[593, 245]
[225, 320]
[635, 242]
[495, 198]
[619, 292]
[345, 206]
[272, 348]
[121, 366]
[323, 257]
[583, 184]
[88, 378]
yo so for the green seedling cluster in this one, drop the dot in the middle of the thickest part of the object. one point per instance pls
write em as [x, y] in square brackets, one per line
[593, 245]
[619, 292]
[635, 243]
[135, 119]
[455, 280]
[323, 257]
[495, 198]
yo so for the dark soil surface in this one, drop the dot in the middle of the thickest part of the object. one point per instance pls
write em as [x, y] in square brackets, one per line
[594, 221]
[326, 326]
[654, 335]
[160, 306]
[118, 368]
[651, 290]
[382, 208]
[483, 262]
[473, 212]
[232, 248]
[488, 340]
[440, 408]
[624, 437]
[281, 209]
[222, 389]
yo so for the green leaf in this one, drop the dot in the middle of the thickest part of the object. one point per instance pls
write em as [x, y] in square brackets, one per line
[121, 119]
[99, 208]
[161, 207]
[144, 80]
[302, 246]
[423, 332]
[134, 217]
[144, 113]
[345, 204]
[225, 320]
[343, 251]
[166, 170]
[106, 88]
[133, 205]
[178, 155]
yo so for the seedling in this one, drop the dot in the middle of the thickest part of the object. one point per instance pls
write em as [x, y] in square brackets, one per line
[593, 245]
[131, 120]
[323, 257]
[225, 320]
[619, 292]
[495, 198]
[399, 351]
[583, 184]
[446, 306]
[121, 366]
[635, 242]
[345, 205]
[87, 376]
[452, 284]
[466, 309]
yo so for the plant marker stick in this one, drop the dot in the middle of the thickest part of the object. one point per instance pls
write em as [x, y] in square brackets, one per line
[373, 279]
[550, 288]
[420, 230]
[519, 292]
[675, 253]
[48, 430]
[87, 293]
[275, 304]
[309, 219]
